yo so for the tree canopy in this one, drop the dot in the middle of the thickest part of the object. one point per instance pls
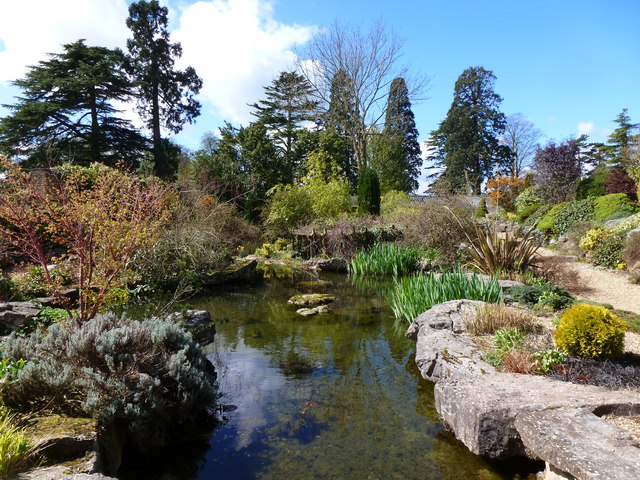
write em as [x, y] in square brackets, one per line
[166, 96]
[467, 142]
[67, 113]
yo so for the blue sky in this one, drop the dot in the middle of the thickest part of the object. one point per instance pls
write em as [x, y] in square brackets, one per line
[570, 66]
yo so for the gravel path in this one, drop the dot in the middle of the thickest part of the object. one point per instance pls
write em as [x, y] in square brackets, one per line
[589, 282]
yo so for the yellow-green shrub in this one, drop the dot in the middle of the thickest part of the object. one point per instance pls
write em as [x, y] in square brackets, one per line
[593, 237]
[590, 331]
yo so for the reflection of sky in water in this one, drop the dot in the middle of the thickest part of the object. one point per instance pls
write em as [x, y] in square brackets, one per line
[248, 382]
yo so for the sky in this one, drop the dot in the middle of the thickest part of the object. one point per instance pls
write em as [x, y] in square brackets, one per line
[569, 66]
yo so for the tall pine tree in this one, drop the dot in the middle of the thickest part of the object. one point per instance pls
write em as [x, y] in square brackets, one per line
[398, 163]
[616, 149]
[67, 113]
[467, 143]
[288, 104]
[166, 96]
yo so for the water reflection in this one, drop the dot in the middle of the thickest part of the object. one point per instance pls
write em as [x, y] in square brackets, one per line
[328, 397]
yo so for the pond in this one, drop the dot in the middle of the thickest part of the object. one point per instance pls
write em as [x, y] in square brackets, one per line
[334, 396]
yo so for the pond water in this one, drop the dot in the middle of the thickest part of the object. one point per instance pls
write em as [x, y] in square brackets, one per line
[335, 396]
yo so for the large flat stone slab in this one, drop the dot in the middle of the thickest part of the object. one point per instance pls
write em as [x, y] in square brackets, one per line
[481, 410]
[451, 315]
[580, 443]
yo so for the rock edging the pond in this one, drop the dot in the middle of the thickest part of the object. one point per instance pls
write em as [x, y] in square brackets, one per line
[503, 415]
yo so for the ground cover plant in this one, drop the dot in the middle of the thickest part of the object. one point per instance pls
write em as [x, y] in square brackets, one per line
[540, 295]
[413, 295]
[385, 260]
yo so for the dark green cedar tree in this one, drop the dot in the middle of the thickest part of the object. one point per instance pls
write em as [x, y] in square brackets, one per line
[467, 142]
[66, 112]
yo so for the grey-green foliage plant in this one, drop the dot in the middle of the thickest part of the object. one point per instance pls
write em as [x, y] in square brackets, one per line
[385, 260]
[149, 376]
[415, 294]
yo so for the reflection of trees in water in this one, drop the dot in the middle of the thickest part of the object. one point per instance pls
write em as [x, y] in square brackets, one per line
[456, 462]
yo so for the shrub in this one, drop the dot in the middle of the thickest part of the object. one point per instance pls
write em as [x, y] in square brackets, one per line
[413, 295]
[593, 185]
[393, 201]
[281, 248]
[492, 317]
[15, 452]
[481, 210]
[287, 207]
[503, 191]
[525, 212]
[619, 181]
[384, 260]
[492, 253]
[350, 235]
[149, 376]
[532, 295]
[530, 196]
[590, 331]
[547, 223]
[593, 237]
[608, 252]
[441, 223]
[197, 241]
[329, 199]
[572, 213]
[535, 217]
[616, 205]
[368, 192]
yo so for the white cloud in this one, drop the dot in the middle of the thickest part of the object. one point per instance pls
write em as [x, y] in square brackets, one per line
[30, 29]
[586, 128]
[237, 47]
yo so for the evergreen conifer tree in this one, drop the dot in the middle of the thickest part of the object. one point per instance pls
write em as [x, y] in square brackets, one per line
[368, 192]
[467, 141]
[166, 96]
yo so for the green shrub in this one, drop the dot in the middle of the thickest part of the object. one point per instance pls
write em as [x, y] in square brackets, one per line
[329, 199]
[547, 223]
[149, 376]
[9, 290]
[281, 248]
[616, 205]
[590, 331]
[535, 217]
[393, 201]
[368, 192]
[593, 185]
[385, 260]
[525, 212]
[572, 213]
[481, 211]
[529, 197]
[544, 294]
[413, 295]
[288, 206]
[609, 253]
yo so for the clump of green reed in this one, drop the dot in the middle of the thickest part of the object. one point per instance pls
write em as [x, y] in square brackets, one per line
[413, 295]
[385, 259]
[15, 452]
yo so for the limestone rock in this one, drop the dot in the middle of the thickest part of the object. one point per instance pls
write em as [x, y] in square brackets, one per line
[579, 443]
[57, 473]
[14, 314]
[312, 299]
[449, 315]
[441, 354]
[238, 272]
[338, 265]
[63, 438]
[481, 410]
[198, 322]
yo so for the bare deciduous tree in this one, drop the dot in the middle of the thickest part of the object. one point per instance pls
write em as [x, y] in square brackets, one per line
[369, 61]
[521, 136]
